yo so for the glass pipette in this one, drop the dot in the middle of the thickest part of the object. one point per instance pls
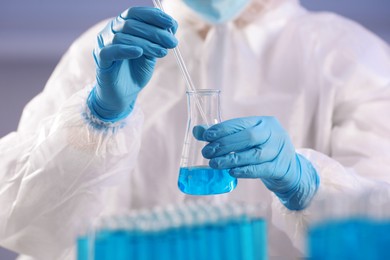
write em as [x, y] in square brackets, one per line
[183, 69]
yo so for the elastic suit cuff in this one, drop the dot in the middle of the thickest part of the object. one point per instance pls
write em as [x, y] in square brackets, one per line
[93, 119]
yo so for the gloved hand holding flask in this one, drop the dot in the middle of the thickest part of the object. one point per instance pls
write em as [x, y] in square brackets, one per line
[258, 147]
[125, 58]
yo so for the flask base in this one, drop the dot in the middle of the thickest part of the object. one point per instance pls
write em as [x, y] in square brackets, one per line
[203, 180]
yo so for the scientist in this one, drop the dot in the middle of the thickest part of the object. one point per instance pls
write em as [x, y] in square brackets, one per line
[305, 96]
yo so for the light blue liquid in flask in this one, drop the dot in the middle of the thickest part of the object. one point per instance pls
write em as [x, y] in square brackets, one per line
[202, 180]
[195, 175]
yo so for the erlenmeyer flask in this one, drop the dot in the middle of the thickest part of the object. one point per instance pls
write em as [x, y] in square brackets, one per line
[195, 176]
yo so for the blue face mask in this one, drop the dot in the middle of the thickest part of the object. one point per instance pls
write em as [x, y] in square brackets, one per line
[217, 11]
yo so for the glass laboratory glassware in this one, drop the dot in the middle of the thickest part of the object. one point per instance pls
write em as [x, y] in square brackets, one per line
[195, 176]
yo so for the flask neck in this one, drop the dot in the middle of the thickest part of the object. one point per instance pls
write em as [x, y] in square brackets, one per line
[204, 107]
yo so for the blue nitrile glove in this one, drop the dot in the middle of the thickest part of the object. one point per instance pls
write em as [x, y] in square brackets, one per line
[258, 147]
[125, 57]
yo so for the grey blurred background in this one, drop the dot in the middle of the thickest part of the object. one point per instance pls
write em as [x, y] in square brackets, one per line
[34, 34]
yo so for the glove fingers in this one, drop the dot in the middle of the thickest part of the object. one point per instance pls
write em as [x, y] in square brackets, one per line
[234, 160]
[107, 55]
[229, 127]
[145, 31]
[257, 155]
[263, 170]
[150, 15]
[276, 169]
[149, 49]
[237, 142]
[198, 132]
[174, 27]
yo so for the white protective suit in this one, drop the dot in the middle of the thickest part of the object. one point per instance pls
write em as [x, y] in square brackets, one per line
[324, 77]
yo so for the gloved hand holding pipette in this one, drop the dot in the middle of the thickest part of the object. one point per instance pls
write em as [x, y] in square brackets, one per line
[125, 57]
[259, 147]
